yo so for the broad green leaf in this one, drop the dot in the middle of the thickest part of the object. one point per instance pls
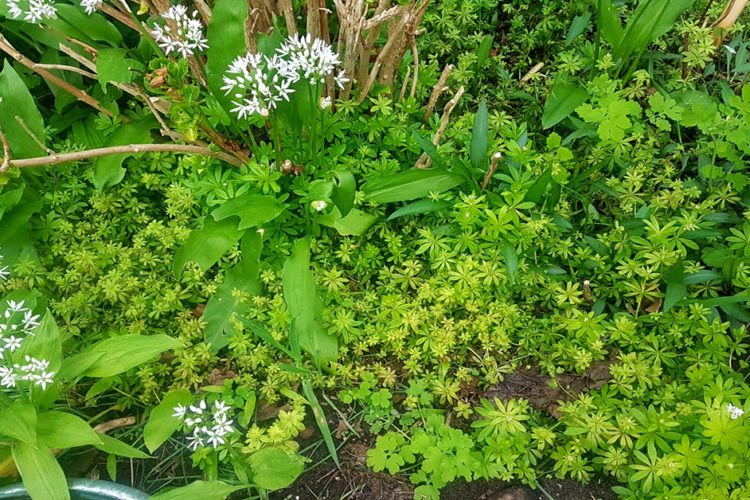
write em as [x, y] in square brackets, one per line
[511, 260]
[651, 19]
[414, 183]
[320, 419]
[161, 424]
[18, 421]
[305, 307]
[226, 41]
[723, 301]
[676, 287]
[537, 190]
[561, 101]
[203, 490]
[18, 216]
[63, 98]
[701, 277]
[223, 305]
[420, 207]
[94, 25]
[116, 447]
[484, 50]
[260, 331]
[108, 170]
[609, 22]
[356, 223]
[736, 311]
[42, 475]
[16, 100]
[253, 210]
[343, 192]
[274, 468]
[206, 245]
[579, 24]
[75, 366]
[122, 353]
[63, 430]
[112, 66]
[46, 343]
[430, 149]
[479, 136]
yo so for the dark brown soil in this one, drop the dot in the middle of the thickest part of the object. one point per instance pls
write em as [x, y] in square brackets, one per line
[355, 481]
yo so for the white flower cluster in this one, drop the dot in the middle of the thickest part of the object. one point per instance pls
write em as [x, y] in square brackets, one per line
[90, 5]
[32, 10]
[187, 39]
[257, 82]
[35, 370]
[734, 412]
[4, 272]
[17, 322]
[207, 426]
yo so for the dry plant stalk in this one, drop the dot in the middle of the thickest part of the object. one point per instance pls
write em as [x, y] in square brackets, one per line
[439, 88]
[491, 171]
[726, 20]
[425, 161]
[533, 71]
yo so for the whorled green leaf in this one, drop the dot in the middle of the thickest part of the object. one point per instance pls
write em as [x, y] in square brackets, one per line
[161, 424]
[306, 309]
[16, 101]
[206, 245]
[253, 210]
[562, 100]
[409, 185]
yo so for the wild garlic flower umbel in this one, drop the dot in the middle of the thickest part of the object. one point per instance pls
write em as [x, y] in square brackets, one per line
[16, 323]
[207, 424]
[4, 270]
[734, 411]
[32, 10]
[257, 83]
[90, 5]
[185, 36]
[35, 370]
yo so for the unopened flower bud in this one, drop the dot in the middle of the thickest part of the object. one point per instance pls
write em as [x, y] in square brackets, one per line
[319, 205]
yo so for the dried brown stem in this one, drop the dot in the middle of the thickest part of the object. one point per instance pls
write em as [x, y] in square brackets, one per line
[105, 427]
[79, 94]
[404, 84]
[58, 158]
[533, 71]
[439, 88]
[119, 15]
[285, 8]
[33, 135]
[491, 171]
[425, 161]
[6, 153]
[415, 55]
[65, 67]
[204, 10]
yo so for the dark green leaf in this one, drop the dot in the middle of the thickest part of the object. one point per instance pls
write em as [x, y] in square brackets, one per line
[16, 100]
[579, 24]
[122, 353]
[537, 190]
[343, 192]
[62, 430]
[356, 223]
[108, 170]
[609, 23]
[479, 136]
[117, 447]
[18, 421]
[42, 475]
[206, 245]
[676, 287]
[226, 41]
[420, 207]
[484, 50]
[253, 210]
[274, 469]
[223, 305]
[430, 149]
[114, 67]
[161, 424]
[561, 101]
[94, 25]
[320, 419]
[305, 307]
[511, 260]
[414, 183]
[203, 490]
